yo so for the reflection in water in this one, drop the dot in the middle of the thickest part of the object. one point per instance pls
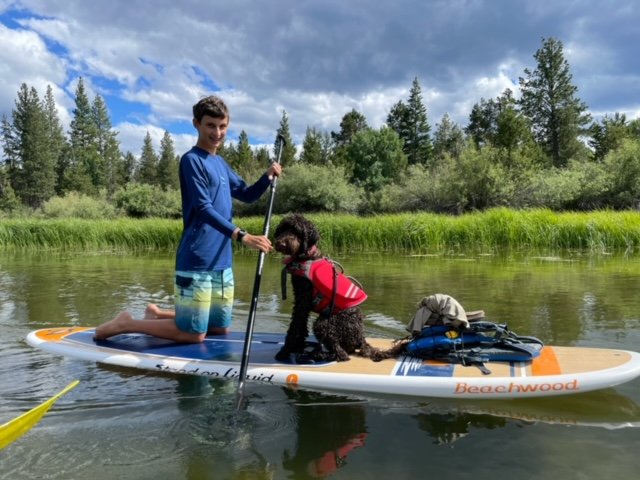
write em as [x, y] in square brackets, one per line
[329, 429]
[284, 433]
[220, 440]
[305, 434]
[446, 428]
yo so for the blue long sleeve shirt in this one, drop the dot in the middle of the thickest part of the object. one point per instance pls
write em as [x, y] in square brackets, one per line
[207, 186]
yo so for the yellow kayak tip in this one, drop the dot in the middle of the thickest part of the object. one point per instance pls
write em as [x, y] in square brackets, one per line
[14, 429]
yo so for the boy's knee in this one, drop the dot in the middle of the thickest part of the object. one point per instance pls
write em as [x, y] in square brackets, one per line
[187, 337]
[218, 331]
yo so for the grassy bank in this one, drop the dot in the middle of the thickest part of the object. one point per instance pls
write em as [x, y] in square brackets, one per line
[421, 232]
[78, 234]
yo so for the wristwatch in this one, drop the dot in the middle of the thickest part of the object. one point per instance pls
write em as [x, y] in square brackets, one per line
[240, 235]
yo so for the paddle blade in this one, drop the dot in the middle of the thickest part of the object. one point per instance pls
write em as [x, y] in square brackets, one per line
[14, 429]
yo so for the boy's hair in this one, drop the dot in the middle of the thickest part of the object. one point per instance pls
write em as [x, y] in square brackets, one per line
[212, 106]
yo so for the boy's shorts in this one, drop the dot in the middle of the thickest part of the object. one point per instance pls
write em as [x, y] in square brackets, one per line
[203, 300]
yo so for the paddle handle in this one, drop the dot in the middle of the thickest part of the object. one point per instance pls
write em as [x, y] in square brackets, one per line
[257, 279]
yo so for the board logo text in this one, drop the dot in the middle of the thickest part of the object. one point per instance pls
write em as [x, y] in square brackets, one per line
[464, 388]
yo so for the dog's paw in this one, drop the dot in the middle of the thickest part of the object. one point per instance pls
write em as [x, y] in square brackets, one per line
[283, 356]
[305, 358]
[342, 356]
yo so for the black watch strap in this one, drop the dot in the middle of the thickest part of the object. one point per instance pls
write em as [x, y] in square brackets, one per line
[240, 235]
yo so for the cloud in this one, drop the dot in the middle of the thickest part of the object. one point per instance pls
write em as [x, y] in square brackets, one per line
[24, 58]
[152, 60]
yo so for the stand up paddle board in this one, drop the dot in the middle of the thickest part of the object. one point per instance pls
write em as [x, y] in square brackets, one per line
[556, 371]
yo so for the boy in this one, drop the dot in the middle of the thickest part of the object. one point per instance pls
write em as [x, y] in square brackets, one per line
[204, 276]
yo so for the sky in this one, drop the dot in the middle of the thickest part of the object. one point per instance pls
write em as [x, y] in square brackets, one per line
[316, 60]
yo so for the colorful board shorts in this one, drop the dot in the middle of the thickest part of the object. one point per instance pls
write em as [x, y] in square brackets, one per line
[203, 300]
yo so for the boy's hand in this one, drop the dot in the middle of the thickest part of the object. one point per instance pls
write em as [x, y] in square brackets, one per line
[257, 242]
[275, 169]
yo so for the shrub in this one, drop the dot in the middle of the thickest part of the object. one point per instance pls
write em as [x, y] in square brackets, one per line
[9, 201]
[78, 205]
[143, 200]
[580, 186]
[308, 188]
[417, 190]
[474, 181]
[623, 166]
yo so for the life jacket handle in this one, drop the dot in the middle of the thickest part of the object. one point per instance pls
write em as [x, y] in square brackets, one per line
[283, 282]
[337, 266]
[335, 286]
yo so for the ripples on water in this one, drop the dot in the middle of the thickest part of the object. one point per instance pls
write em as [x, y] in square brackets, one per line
[122, 423]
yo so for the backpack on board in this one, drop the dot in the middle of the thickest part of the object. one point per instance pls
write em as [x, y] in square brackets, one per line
[477, 344]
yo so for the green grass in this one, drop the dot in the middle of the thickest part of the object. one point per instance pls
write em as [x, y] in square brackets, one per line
[419, 232]
[78, 234]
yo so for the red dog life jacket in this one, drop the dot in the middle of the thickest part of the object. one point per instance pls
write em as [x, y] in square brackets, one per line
[330, 284]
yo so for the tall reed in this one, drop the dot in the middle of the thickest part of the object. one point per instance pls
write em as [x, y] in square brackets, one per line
[77, 234]
[407, 232]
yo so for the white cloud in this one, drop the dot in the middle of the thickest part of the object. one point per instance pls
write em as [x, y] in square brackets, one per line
[24, 58]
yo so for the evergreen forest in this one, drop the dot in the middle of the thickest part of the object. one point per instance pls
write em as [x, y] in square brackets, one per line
[541, 149]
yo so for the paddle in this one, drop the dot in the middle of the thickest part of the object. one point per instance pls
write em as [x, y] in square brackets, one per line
[256, 284]
[14, 429]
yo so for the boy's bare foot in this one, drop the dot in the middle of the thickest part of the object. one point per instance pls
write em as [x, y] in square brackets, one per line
[151, 312]
[113, 327]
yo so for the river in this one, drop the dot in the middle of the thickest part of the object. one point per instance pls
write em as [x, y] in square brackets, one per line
[123, 423]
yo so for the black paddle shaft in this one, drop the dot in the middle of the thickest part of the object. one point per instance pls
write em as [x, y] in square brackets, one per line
[258, 277]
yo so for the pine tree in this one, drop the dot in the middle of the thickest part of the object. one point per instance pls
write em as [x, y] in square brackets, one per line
[608, 134]
[32, 174]
[262, 157]
[448, 139]
[8, 199]
[499, 123]
[84, 162]
[10, 146]
[398, 117]
[482, 124]
[352, 123]
[56, 139]
[549, 100]
[126, 169]
[312, 152]
[148, 171]
[289, 152]
[229, 152]
[512, 130]
[168, 163]
[410, 123]
[245, 154]
[104, 170]
[112, 157]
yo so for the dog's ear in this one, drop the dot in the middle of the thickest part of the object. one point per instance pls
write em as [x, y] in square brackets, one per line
[314, 235]
[278, 230]
[284, 224]
[310, 235]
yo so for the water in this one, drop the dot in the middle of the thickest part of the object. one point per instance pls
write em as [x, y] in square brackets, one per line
[123, 423]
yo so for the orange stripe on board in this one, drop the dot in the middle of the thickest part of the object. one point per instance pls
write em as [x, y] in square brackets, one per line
[546, 363]
[57, 334]
[439, 363]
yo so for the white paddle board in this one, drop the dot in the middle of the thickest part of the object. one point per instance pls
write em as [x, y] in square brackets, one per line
[556, 371]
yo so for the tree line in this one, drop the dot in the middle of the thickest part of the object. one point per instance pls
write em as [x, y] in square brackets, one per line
[540, 150]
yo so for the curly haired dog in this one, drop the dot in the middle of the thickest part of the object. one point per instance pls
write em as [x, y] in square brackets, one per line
[340, 333]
